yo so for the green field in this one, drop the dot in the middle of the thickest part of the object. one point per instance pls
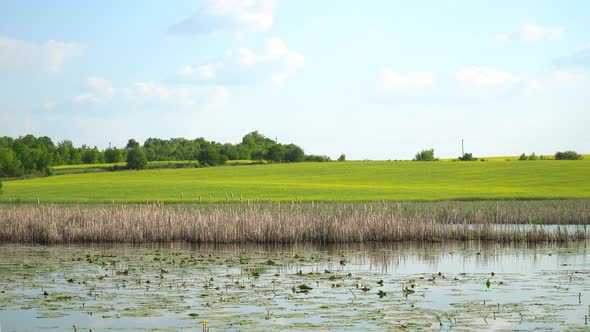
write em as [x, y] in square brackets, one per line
[347, 181]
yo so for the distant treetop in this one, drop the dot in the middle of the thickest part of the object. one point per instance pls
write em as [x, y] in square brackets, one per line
[568, 155]
[31, 155]
[425, 155]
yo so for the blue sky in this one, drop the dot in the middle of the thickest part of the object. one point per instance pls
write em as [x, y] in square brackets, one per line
[373, 79]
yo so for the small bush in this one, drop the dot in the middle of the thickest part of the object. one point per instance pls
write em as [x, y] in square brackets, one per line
[467, 157]
[532, 156]
[136, 159]
[316, 158]
[425, 155]
[568, 155]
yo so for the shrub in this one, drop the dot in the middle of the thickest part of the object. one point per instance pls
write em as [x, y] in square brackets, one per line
[316, 158]
[568, 155]
[467, 157]
[210, 156]
[425, 155]
[275, 153]
[342, 157]
[532, 156]
[10, 165]
[112, 155]
[293, 153]
[136, 159]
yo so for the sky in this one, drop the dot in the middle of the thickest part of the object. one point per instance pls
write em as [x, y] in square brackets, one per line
[371, 79]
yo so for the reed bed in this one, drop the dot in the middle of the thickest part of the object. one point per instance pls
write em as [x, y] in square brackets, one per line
[504, 221]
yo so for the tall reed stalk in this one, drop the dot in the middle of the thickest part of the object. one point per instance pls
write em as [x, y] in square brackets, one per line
[504, 221]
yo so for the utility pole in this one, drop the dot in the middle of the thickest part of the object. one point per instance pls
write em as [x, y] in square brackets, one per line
[462, 148]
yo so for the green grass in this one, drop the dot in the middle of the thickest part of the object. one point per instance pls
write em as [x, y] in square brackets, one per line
[347, 181]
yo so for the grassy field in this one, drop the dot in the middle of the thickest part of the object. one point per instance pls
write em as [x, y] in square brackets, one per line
[347, 181]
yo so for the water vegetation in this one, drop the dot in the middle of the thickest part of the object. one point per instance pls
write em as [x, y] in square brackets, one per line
[504, 221]
[211, 287]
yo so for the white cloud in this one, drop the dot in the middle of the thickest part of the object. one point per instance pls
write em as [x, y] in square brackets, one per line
[101, 86]
[86, 98]
[566, 76]
[394, 83]
[467, 84]
[534, 86]
[580, 58]
[275, 51]
[228, 15]
[256, 14]
[181, 95]
[531, 33]
[485, 76]
[150, 92]
[50, 55]
[485, 83]
[49, 105]
[275, 61]
[99, 89]
[561, 82]
[203, 72]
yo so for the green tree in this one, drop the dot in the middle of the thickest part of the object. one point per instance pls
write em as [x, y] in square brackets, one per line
[132, 143]
[275, 153]
[425, 155]
[467, 157]
[63, 153]
[112, 155]
[210, 156]
[10, 165]
[91, 156]
[230, 151]
[342, 157]
[568, 155]
[136, 158]
[317, 158]
[293, 153]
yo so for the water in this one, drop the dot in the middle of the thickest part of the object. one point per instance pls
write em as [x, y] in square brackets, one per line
[243, 287]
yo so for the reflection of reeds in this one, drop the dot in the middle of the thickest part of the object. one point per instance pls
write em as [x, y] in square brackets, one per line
[308, 222]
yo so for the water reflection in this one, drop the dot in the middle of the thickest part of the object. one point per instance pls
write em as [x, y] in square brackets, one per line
[238, 286]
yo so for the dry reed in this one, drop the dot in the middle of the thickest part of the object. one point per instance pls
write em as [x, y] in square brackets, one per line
[504, 221]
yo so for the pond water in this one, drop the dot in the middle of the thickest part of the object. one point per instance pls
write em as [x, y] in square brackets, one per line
[413, 286]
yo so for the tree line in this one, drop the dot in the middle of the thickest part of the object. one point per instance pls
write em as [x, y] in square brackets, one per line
[28, 154]
[428, 155]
